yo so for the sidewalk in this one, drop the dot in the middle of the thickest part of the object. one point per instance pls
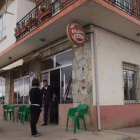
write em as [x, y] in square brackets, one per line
[12, 131]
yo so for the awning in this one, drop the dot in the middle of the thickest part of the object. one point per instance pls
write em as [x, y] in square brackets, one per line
[13, 65]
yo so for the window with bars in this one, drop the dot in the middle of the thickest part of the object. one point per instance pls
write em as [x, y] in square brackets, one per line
[2, 90]
[2, 26]
[131, 74]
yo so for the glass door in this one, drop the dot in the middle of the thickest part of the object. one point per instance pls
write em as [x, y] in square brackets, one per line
[45, 76]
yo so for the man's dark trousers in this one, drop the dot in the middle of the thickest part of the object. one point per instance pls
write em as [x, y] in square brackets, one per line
[35, 113]
[46, 109]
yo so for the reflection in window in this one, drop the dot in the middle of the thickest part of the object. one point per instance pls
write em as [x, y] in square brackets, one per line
[66, 84]
[47, 64]
[21, 90]
[2, 90]
[64, 58]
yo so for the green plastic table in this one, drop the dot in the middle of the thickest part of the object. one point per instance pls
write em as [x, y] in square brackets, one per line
[12, 107]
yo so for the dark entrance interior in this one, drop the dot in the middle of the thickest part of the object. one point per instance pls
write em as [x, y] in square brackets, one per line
[55, 83]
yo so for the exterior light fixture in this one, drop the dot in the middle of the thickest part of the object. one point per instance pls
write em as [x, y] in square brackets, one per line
[138, 34]
[42, 39]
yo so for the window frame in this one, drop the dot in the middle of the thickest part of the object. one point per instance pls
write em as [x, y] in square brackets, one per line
[129, 68]
[23, 87]
[54, 60]
[125, 8]
[2, 26]
[3, 83]
[56, 67]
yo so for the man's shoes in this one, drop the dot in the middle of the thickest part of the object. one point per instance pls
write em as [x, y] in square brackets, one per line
[37, 135]
[44, 124]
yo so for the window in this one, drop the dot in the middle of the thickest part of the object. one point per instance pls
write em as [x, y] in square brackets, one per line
[124, 4]
[59, 75]
[66, 83]
[21, 90]
[55, 6]
[2, 26]
[2, 90]
[21, 85]
[131, 83]
[63, 59]
[47, 64]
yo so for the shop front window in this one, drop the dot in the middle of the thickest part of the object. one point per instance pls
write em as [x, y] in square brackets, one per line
[2, 90]
[47, 64]
[64, 58]
[21, 90]
[66, 84]
[59, 74]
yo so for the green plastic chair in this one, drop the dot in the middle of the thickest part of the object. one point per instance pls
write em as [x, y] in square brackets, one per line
[80, 110]
[6, 111]
[26, 112]
[20, 111]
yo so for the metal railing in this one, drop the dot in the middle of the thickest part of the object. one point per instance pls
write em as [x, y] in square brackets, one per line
[131, 7]
[40, 14]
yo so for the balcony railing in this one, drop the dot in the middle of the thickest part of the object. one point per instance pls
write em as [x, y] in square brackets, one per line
[39, 15]
[131, 7]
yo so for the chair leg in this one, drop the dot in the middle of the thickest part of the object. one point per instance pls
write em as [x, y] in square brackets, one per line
[67, 124]
[3, 115]
[17, 117]
[78, 125]
[75, 124]
[21, 118]
[29, 117]
[84, 124]
[10, 115]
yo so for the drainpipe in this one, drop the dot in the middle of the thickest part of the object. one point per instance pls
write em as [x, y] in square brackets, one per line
[94, 50]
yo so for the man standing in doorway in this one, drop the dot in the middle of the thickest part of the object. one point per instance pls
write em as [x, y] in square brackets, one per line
[49, 97]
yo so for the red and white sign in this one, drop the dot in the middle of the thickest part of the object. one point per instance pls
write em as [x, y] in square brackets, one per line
[76, 33]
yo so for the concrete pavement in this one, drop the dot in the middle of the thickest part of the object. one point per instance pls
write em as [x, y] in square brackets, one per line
[12, 131]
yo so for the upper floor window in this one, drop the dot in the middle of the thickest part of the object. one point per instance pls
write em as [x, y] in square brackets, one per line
[55, 6]
[124, 4]
[2, 90]
[131, 75]
[2, 26]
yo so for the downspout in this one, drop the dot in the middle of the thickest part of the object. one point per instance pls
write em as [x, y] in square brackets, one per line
[95, 65]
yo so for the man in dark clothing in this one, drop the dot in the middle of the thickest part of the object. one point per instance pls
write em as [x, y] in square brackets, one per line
[49, 96]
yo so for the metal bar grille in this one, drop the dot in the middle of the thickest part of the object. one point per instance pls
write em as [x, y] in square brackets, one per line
[40, 14]
[131, 80]
[131, 7]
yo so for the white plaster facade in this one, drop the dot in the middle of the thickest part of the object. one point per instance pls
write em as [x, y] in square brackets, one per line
[19, 8]
[112, 50]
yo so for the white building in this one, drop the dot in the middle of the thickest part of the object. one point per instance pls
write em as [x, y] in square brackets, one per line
[105, 70]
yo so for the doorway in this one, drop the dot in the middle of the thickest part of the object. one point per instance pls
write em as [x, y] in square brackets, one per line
[55, 82]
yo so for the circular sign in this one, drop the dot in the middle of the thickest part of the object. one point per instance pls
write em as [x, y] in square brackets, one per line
[76, 33]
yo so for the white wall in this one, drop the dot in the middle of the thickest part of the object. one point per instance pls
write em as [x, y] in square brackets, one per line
[10, 25]
[19, 8]
[112, 50]
[23, 8]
